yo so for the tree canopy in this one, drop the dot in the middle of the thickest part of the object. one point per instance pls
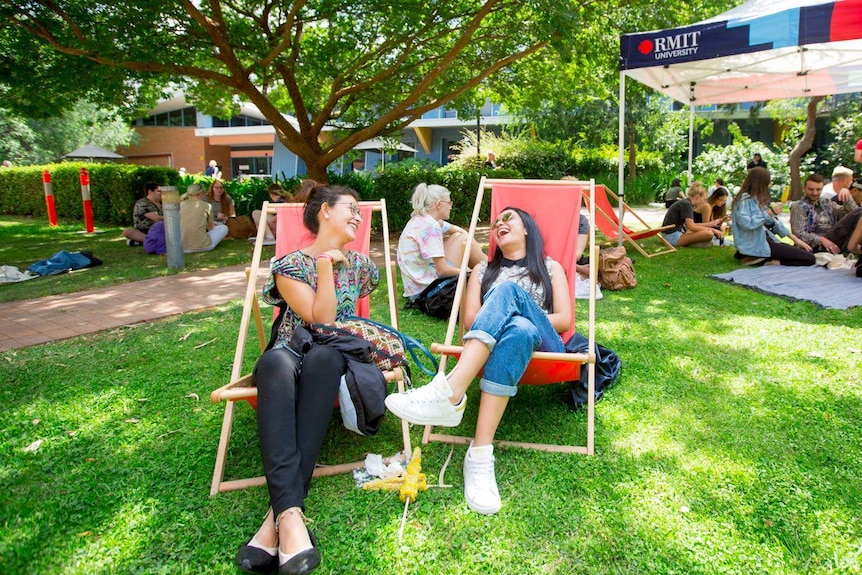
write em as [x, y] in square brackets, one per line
[347, 70]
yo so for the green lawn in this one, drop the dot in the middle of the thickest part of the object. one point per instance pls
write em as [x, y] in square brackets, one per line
[24, 241]
[731, 444]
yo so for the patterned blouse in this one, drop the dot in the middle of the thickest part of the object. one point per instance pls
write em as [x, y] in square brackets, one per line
[519, 275]
[353, 280]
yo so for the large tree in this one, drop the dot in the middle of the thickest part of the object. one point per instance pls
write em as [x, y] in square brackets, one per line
[365, 67]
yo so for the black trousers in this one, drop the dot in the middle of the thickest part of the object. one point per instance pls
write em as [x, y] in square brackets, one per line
[790, 255]
[295, 403]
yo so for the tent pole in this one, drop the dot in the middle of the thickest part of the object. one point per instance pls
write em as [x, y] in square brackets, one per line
[621, 172]
[691, 106]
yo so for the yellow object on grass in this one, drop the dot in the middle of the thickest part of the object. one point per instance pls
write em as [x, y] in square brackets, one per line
[408, 484]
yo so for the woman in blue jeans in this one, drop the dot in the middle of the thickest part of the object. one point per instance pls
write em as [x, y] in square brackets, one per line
[517, 303]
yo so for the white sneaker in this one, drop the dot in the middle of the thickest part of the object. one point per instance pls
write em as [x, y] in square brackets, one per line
[428, 405]
[582, 288]
[480, 484]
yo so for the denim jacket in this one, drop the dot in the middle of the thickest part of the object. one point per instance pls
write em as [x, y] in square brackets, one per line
[751, 225]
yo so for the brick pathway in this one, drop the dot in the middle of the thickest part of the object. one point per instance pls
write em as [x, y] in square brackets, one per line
[37, 321]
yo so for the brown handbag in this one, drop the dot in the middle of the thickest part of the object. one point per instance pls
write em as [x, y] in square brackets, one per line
[616, 270]
[240, 228]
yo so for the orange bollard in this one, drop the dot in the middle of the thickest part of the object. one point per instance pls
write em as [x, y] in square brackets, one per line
[49, 198]
[88, 203]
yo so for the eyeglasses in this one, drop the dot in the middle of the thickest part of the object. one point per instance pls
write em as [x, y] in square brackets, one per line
[354, 209]
[505, 217]
[446, 202]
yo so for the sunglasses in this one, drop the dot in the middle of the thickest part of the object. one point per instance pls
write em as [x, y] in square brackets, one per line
[507, 216]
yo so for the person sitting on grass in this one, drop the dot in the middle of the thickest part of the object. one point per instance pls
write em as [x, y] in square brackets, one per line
[200, 233]
[147, 211]
[685, 231]
[277, 195]
[320, 282]
[516, 303]
[713, 212]
[755, 227]
[674, 193]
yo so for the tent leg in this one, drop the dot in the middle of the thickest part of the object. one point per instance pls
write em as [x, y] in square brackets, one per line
[621, 169]
[691, 107]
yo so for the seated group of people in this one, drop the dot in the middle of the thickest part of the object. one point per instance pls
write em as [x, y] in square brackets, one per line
[207, 216]
[831, 224]
[515, 303]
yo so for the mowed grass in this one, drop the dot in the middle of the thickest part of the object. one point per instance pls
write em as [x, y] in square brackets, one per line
[730, 444]
[24, 241]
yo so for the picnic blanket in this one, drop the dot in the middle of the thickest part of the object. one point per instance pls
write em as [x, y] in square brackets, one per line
[832, 289]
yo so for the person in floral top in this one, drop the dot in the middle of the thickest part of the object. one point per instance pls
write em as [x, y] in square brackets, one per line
[320, 283]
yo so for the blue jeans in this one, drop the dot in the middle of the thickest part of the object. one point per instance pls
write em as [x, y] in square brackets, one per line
[513, 326]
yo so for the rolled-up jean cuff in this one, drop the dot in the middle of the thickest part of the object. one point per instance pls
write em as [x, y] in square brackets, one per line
[482, 336]
[497, 389]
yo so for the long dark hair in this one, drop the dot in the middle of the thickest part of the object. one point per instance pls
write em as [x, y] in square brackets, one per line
[315, 195]
[756, 185]
[536, 269]
[717, 194]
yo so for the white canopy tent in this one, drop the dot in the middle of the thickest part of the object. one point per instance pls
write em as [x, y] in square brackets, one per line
[761, 50]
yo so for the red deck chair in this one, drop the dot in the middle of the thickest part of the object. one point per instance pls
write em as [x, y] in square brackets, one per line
[609, 224]
[291, 235]
[555, 205]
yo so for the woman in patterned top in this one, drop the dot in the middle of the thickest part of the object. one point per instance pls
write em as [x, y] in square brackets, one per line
[517, 303]
[320, 283]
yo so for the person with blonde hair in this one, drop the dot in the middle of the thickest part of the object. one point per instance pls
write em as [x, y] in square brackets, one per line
[429, 246]
[680, 215]
[199, 230]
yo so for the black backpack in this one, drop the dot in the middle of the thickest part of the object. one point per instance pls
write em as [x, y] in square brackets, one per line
[436, 300]
[608, 365]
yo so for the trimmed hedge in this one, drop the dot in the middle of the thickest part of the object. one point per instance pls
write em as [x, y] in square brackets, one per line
[113, 189]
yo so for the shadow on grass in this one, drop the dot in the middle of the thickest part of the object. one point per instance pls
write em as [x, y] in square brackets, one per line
[725, 447]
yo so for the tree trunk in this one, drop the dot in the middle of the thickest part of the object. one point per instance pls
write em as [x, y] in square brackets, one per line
[633, 151]
[802, 148]
[316, 171]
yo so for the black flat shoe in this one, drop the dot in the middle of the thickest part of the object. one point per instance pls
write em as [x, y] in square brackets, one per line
[303, 562]
[256, 561]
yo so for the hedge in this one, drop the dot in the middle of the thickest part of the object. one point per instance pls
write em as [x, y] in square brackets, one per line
[114, 188]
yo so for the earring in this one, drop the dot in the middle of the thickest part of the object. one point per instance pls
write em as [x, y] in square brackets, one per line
[326, 216]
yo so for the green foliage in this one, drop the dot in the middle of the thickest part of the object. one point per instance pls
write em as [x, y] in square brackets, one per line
[729, 163]
[27, 141]
[114, 188]
[845, 132]
[365, 66]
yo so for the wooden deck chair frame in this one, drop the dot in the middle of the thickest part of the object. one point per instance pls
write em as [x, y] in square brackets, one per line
[239, 387]
[609, 224]
[566, 366]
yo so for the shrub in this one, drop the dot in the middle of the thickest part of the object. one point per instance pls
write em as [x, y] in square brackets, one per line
[113, 189]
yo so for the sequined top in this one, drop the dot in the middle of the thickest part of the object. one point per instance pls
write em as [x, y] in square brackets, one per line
[519, 275]
[354, 279]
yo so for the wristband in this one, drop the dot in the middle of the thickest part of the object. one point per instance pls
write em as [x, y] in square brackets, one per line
[326, 257]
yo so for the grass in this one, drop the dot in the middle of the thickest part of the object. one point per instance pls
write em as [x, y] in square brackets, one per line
[24, 241]
[729, 445]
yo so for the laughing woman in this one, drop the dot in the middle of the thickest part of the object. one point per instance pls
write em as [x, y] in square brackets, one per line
[517, 303]
[320, 283]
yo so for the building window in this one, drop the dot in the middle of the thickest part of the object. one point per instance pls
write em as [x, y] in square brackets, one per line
[185, 117]
[238, 121]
